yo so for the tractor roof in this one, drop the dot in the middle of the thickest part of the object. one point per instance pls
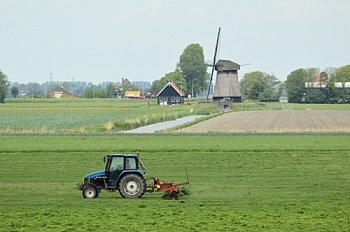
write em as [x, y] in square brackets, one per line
[124, 155]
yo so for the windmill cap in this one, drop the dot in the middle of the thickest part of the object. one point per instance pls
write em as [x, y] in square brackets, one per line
[227, 65]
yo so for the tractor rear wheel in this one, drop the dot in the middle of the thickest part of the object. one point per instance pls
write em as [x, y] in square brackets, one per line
[90, 191]
[132, 186]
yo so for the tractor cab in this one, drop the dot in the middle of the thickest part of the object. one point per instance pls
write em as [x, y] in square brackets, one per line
[118, 165]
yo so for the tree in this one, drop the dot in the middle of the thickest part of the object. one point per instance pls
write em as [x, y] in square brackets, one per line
[14, 91]
[342, 75]
[260, 86]
[3, 86]
[175, 77]
[34, 89]
[193, 68]
[312, 74]
[295, 85]
[110, 90]
[329, 71]
[156, 87]
[324, 77]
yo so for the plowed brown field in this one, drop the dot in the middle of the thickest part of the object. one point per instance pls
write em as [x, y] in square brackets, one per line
[276, 121]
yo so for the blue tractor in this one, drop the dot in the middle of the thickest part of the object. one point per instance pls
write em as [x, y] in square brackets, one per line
[123, 172]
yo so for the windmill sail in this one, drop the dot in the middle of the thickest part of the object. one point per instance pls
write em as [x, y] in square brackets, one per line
[214, 62]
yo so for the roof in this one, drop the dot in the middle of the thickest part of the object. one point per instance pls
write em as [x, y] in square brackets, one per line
[173, 85]
[226, 65]
[131, 93]
[62, 90]
[123, 155]
[324, 84]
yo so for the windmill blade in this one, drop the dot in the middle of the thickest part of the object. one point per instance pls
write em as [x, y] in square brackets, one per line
[214, 61]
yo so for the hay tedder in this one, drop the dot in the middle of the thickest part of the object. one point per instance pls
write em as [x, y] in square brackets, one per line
[126, 173]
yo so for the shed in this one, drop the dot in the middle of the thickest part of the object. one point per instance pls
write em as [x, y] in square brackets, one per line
[170, 95]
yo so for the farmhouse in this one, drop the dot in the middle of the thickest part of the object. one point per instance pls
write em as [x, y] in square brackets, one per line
[60, 92]
[170, 95]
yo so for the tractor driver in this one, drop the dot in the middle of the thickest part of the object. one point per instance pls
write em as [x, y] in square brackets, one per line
[127, 164]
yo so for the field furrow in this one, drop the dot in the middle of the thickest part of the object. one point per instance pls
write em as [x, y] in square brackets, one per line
[276, 121]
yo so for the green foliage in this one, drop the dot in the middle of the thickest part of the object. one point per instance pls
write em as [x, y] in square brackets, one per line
[175, 77]
[326, 93]
[14, 91]
[110, 90]
[193, 67]
[260, 86]
[93, 92]
[295, 85]
[341, 74]
[312, 74]
[237, 183]
[3, 86]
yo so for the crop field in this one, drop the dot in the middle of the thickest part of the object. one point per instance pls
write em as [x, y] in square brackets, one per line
[88, 115]
[237, 183]
[276, 121]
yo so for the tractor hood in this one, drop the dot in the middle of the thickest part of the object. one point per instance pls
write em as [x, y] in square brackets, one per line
[96, 174]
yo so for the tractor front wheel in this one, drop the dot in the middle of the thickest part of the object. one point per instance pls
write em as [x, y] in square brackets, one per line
[90, 191]
[132, 186]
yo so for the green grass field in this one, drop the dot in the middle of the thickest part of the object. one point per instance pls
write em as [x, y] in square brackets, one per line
[238, 183]
[89, 115]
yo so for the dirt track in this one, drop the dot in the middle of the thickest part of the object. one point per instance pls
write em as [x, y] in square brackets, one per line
[276, 121]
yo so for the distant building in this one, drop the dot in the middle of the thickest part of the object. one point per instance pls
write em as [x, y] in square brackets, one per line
[60, 92]
[170, 95]
[132, 94]
[227, 87]
[317, 85]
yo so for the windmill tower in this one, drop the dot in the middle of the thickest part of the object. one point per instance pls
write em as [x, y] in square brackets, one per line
[227, 86]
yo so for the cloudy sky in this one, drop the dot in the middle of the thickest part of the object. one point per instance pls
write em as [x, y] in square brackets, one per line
[142, 40]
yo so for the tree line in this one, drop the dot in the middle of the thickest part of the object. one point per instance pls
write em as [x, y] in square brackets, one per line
[191, 76]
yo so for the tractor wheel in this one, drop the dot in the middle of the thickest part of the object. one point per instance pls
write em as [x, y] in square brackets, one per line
[90, 192]
[132, 186]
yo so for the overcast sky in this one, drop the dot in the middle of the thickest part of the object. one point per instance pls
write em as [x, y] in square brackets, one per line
[142, 40]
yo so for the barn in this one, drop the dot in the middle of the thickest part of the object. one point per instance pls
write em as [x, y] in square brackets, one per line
[170, 95]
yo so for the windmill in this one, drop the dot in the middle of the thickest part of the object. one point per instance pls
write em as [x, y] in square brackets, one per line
[227, 87]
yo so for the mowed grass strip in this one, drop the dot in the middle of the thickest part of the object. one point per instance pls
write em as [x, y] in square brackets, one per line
[238, 183]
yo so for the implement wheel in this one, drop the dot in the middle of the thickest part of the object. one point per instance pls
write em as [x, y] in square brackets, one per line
[132, 186]
[90, 192]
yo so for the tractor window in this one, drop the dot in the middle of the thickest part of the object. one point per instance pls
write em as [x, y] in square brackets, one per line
[130, 163]
[115, 167]
[116, 164]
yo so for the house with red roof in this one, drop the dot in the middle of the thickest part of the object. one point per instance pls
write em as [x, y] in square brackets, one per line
[170, 95]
